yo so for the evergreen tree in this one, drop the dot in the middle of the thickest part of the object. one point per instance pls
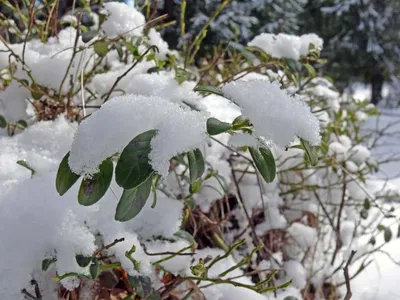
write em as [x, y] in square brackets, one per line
[361, 37]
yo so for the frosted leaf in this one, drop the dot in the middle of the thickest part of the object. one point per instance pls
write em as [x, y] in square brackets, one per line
[117, 122]
[122, 19]
[276, 116]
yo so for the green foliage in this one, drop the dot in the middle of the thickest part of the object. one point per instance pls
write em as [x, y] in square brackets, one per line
[133, 200]
[196, 164]
[143, 287]
[83, 261]
[215, 126]
[3, 122]
[133, 166]
[265, 162]
[65, 177]
[93, 189]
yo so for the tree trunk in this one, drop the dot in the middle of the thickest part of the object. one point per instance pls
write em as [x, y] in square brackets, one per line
[376, 86]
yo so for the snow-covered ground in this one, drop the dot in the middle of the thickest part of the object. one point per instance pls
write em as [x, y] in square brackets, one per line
[380, 280]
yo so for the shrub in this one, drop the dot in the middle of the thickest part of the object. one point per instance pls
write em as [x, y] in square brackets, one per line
[253, 153]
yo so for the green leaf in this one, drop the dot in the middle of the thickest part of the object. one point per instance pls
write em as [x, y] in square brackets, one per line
[47, 262]
[185, 235]
[209, 89]
[398, 231]
[101, 48]
[65, 177]
[367, 204]
[364, 214]
[24, 164]
[143, 287]
[83, 261]
[130, 47]
[372, 241]
[311, 71]
[94, 268]
[88, 36]
[387, 234]
[133, 166]
[215, 126]
[196, 164]
[120, 52]
[381, 227]
[265, 162]
[35, 91]
[133, 200]
[240, 121]
[190, 203]
[195, 186]
[22, 123]
[3, 122]
[311, 152]
[93, 189]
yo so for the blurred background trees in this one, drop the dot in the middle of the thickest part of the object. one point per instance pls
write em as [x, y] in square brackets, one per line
[361, 37]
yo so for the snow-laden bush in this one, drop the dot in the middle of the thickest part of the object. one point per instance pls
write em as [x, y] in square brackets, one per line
[269, 166]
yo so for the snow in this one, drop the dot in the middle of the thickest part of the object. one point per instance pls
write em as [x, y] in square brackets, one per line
[285, 45]
[122, 19]
[295, 270]
[276, 115]
[110, 129]
[243, 139]
[304, 235]
[155, 39]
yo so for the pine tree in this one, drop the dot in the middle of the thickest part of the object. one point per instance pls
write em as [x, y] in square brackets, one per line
[362, 40]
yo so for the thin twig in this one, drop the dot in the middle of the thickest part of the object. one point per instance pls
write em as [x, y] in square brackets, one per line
[116, 241]
[347, 277]
[127, 71]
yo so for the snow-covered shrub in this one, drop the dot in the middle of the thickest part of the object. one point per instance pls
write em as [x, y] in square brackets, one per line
[256, 156]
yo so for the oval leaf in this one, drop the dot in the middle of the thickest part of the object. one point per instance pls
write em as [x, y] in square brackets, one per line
[47, 262]
[93, 189]
[3, 122]
[65, 177]
[22, 123]
[265, 162]
[387, 234]
[83, 261]
[132, 201]
[209, 89]
[196, 164]
[311, 152]
[94, 269]
[241, 121]
[88, 36]
[101, 48]
[133, 166]
[215, 126]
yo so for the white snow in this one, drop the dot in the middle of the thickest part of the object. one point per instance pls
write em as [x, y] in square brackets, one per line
[122, 19]
[111, 128]
[285, 45]
[276, 115]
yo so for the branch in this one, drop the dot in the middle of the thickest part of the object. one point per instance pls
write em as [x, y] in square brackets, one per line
[347, 277]
[130, 69]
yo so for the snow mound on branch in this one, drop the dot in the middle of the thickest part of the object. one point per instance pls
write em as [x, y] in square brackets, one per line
[45, 224]
[276, 115]
[285, 45]
[122, 20]
[110, 129]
